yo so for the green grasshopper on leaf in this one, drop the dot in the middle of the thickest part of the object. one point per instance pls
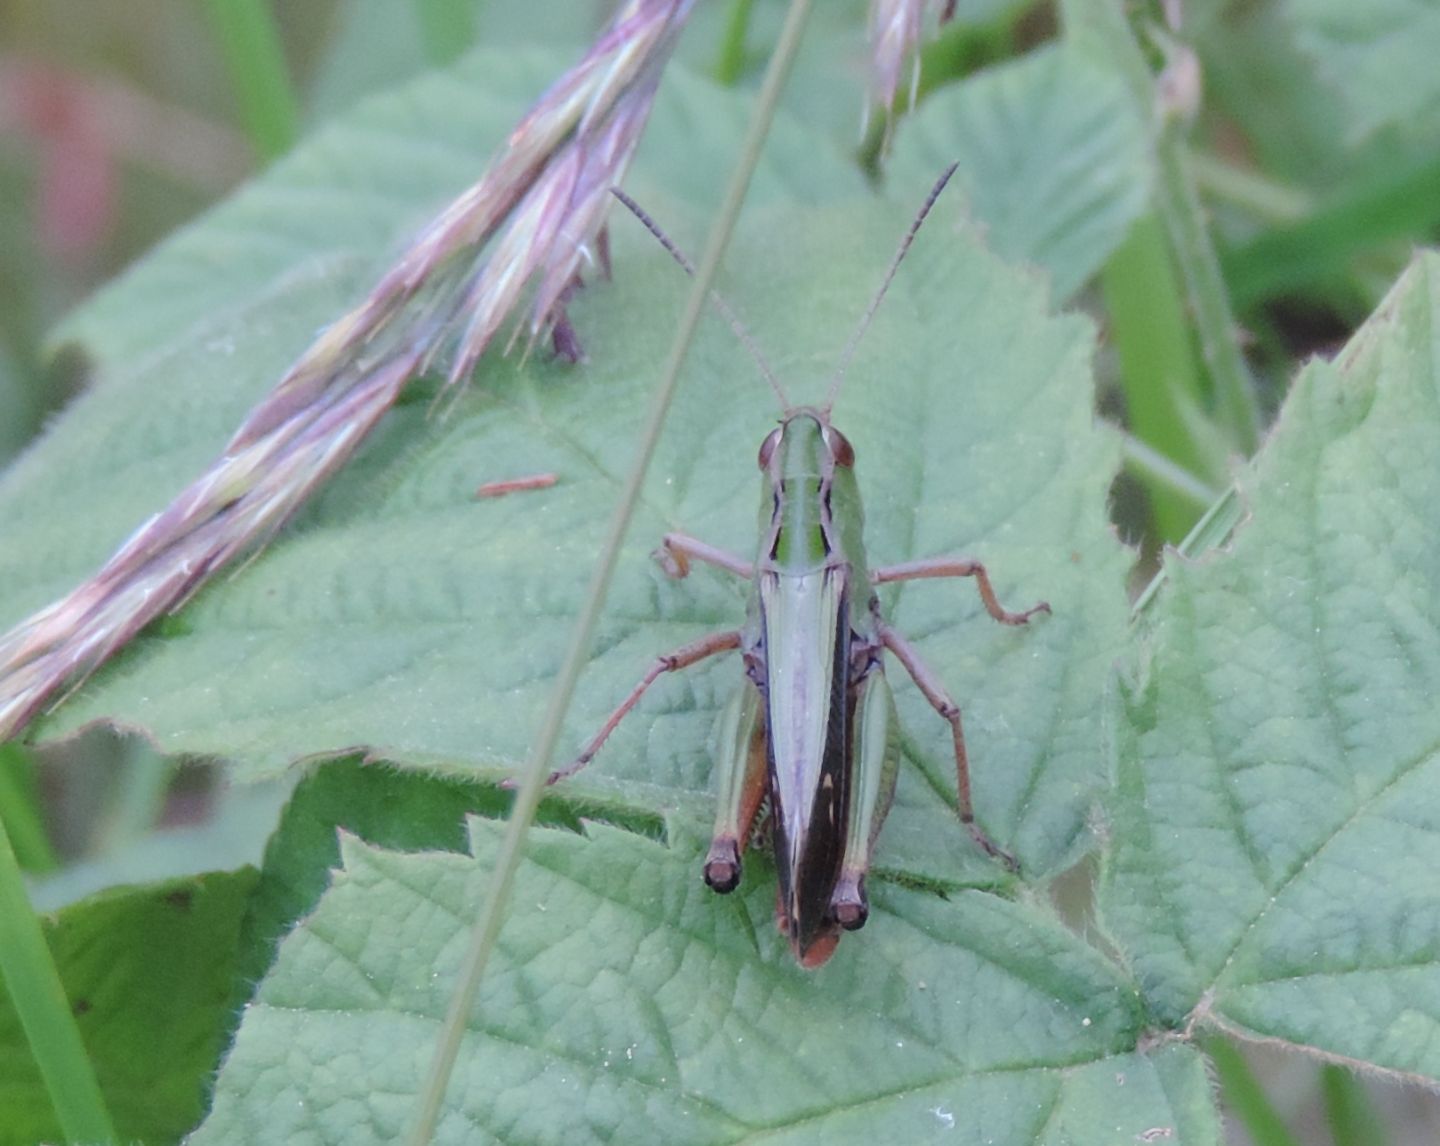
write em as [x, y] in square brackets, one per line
[813, 725]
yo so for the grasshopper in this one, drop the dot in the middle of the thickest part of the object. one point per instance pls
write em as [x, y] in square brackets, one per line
[813, 726]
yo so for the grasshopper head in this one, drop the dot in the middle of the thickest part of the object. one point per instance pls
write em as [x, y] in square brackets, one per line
[803, 443]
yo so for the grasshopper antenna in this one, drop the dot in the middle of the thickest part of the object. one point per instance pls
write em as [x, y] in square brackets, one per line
[849, 352]
[716, 299]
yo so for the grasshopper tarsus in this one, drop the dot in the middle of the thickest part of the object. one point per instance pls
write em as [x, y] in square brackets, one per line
[991, 848]
[674, 562]
[569, 770]
[1024, 618]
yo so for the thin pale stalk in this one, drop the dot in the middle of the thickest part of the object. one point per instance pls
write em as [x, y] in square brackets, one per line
[139, 801]
[1256, 194]
[1153, 467]
[38, 997]
[1210, 532]
[487, 925]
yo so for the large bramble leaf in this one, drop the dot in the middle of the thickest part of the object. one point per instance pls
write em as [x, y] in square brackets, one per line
[1277, 829]
[624, 1007]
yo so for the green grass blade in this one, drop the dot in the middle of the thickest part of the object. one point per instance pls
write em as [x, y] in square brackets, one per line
[731, 61]
[1246, 1097]
[1352, 1118]
[29, 974]
[20, 811]
[1158, 370]
[251, 45]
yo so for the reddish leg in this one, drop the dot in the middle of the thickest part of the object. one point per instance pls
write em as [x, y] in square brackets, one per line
[940, 701]
[678, 549]
[741, 780]
[957, 567]
[683, 657]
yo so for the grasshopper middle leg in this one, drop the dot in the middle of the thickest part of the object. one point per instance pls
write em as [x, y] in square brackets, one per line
[957, 567]
[683, 657]
[678, 549]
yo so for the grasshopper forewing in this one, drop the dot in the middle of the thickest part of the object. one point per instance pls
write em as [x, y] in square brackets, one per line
[813, 725]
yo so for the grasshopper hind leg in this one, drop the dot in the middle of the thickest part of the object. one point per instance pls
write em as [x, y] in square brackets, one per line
[877, 760]
[741, 782]
[940, 701]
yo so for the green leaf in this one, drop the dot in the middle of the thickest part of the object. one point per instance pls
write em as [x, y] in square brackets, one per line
[1379, 55]
[1052, 155]
[148, 972]
[1277, 825]
[630, 1004]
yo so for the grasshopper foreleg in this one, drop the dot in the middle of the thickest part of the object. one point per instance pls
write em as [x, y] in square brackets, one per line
[957, 567]
[678, 549]
[940, 701]
[683, 657]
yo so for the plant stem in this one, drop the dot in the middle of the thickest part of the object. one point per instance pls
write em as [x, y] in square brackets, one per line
[1154, 468]
[1158, 371]
[1257, 195]
[1102, 29]
[1210, 531]
[487, 925]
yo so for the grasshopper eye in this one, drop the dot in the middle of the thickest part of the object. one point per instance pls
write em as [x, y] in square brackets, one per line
[840, 448]
[767, 448]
